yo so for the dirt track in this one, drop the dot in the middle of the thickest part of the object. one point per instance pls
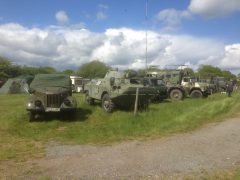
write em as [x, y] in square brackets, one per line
[216, 146]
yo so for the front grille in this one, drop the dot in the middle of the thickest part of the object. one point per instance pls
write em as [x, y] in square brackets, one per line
[53, 100]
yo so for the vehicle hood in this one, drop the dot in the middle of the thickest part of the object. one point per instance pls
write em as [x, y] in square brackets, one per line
[42, 81]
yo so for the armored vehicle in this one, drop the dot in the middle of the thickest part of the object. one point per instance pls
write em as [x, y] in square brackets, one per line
[50, 93]
[160, 86]
[118, 89]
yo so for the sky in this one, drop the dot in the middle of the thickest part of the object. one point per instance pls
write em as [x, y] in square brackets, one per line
[65, 34]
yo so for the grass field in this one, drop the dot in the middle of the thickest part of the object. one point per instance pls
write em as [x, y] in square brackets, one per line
[20, 139]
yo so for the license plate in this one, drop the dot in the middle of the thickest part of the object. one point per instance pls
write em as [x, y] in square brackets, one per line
[52, 109]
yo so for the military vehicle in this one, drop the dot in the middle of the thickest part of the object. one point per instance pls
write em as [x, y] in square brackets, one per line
[212, 86]
[220, 83]
[194, 88]
[174, 91]
[160, 86]
[118, 89]
[179, 79]
[50, 93]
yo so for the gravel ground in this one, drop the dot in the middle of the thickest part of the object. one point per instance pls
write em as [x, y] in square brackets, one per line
[214, 147]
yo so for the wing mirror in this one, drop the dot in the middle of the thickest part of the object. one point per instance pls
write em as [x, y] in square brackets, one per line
[30, 90]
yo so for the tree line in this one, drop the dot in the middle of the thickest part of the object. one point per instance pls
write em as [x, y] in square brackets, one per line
[97, 69]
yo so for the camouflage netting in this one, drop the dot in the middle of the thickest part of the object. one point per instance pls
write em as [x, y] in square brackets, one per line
[51, 80]
[16, 85]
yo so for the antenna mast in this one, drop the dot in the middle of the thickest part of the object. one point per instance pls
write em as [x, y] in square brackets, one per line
[146, 13]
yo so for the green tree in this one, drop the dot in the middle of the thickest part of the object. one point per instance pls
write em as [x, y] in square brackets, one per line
[7, 69]
[188, 72]
[94, 69]
[208, 71]
[68, 72]
[228, 75]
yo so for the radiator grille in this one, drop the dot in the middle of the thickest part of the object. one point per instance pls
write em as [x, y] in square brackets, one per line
[53, 100]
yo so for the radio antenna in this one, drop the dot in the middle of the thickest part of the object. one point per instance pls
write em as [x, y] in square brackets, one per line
[146, 19]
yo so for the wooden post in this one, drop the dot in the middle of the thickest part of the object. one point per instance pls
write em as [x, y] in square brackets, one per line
[136, 103]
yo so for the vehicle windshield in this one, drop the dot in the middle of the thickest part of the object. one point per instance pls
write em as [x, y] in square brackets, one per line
[51, 80]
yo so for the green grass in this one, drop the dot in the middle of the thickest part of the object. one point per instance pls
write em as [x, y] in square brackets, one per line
[20, 139]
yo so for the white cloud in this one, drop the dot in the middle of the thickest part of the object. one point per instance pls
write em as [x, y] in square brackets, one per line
[102, 12]
[172, 18]
[62, 17]
[63, 48]
[231, 59]
[214, 8]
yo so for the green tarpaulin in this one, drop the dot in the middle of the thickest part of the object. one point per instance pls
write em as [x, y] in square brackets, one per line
[51, 80]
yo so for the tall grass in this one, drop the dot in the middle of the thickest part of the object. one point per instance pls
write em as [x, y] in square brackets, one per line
[21, 139]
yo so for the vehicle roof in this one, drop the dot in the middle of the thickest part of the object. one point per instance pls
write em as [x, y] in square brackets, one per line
[50, 80]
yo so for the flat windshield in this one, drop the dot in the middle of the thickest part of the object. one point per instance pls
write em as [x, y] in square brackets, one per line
[50, 80]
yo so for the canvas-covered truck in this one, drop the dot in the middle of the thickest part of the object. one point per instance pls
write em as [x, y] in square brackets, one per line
[181, 84]
[117, 89]
[50, 93]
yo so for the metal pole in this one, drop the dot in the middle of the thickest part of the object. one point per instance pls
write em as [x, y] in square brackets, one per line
[146, 13]
[136, 103]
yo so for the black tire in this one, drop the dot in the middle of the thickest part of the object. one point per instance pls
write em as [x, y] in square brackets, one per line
[31, 116]
[88, 99]
[107, 104]
[176, 94]
[196, 94]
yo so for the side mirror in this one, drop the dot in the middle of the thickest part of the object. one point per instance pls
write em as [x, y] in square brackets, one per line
[112, 81]
[144, 82]
[30, 91]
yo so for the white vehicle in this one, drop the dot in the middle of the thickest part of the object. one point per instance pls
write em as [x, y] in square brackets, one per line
[78, 83]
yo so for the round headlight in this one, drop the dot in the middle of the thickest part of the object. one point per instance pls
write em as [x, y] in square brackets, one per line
[38, 103]
[67, 102]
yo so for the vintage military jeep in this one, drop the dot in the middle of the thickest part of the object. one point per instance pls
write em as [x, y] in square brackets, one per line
[50, 93]
[118, 89]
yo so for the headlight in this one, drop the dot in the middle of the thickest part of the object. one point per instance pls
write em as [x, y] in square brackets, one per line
[38, 103]
[67, 102]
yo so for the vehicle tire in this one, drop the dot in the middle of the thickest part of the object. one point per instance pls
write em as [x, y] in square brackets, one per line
[31, 116]
[88, 99]
[107, 103]
[176, 94]
[196, 94]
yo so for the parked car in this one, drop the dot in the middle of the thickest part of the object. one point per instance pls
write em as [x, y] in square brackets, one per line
[50, 93]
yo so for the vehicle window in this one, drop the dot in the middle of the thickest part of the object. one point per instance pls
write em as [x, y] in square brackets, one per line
[160, 82]
[168, 76]
[185, 79]
[78, 82]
